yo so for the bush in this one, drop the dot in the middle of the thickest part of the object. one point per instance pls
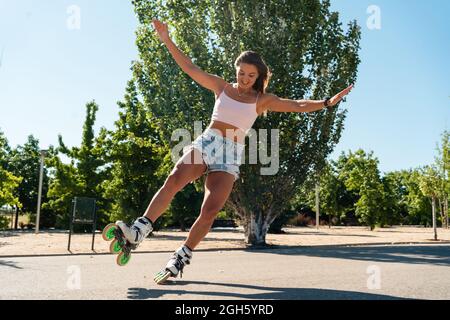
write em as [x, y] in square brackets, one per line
[4, 223]
[224, 223]
[47, 219]
[281, 221]
[302, 220]
[223, 215]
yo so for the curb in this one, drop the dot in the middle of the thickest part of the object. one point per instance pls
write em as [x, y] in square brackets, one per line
[248, 248]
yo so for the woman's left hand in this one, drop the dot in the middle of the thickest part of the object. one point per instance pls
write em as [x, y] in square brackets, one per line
[337, 98]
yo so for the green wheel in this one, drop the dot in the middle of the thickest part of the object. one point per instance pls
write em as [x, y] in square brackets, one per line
[114, 247]
[108, 232]
[123, 258]
[162, 276]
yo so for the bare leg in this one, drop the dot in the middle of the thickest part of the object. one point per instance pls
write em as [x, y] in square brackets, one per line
[184, 172]
[218, 186]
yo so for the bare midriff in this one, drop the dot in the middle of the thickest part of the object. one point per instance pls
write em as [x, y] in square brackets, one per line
[229, 131]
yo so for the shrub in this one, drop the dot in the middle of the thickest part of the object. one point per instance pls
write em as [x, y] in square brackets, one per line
[4, 223]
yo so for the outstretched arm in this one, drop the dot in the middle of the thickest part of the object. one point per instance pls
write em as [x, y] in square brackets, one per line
[277, 104]
[209, 81]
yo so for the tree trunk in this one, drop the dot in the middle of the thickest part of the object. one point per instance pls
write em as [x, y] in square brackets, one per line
[446, 212]
[441, 211]
[182, 225]
[433, 206]
[317, 206]
[17, 218]
[256, 229]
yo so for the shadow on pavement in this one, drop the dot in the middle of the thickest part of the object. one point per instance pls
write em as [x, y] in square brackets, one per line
[8, 234]
[275, 293]
[11, 264]
[438, 255]
[325, 234]
[180, 238]
[4, 244]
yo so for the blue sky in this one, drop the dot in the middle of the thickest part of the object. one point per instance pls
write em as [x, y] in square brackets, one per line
[398, 109]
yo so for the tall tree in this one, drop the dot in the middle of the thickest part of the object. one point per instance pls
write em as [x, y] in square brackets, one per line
[25, 162]
[360, 173]
[331, 193]
[135, 152]
[442, 162]
[333, 196]
[8, 184]
[65, 184]
[5, 151]
[82, 177]
[395, 192]
[418, 205]
[310, 56]
[8, 181]
[429, 185]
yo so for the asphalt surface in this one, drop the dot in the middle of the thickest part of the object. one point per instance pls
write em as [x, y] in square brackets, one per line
[359, 272]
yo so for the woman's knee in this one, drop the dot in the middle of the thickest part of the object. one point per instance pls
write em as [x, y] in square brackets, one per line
[174, 182]
[208, 215]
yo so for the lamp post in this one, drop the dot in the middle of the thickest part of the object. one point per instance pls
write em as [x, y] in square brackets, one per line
[317, 206]
[41, 173]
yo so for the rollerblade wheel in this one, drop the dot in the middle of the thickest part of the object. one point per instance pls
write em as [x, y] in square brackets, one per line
[114, 247]
[108, 232]
[162, 276]
[123, 258]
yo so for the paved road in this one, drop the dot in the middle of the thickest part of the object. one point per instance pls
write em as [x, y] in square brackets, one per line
[364, 272]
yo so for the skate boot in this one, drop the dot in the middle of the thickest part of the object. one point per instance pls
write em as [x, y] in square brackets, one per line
[140, 229]
[125, 238]
[175, 266]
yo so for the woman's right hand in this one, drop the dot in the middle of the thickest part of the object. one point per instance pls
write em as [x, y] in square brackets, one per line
[161, 29]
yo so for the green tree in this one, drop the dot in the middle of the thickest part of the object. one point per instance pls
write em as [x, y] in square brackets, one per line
[430, 183]
[418, 205]
[135, 152]
[395, 193]
[8, 181]
[360, 173]
[64, 186]
[25, 162]
[442, 162]
[8, 184]
[331, 193]
[309, 54]
[5, 151]
[83, 177]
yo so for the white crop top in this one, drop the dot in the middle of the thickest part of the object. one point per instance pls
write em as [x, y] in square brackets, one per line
[236, 113]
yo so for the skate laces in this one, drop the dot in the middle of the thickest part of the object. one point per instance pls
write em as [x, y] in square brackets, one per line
[142, 223]
[179, 264]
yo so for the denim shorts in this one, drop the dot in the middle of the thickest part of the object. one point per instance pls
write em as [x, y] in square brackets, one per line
[218, 152]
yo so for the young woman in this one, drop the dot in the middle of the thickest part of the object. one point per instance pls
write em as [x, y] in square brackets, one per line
[236, 109]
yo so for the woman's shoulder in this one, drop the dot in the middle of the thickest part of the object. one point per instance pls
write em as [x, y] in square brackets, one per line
[264, 101]
[223, 85]
[266, 97]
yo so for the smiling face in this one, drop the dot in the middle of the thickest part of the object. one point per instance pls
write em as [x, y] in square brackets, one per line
[246, 75]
